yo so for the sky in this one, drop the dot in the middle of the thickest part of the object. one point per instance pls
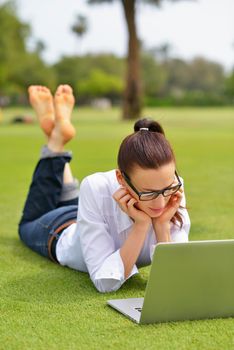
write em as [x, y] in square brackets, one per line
[192, 28]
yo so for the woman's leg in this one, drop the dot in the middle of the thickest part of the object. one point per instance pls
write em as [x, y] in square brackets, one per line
[53, 195]
[47, 190]
[53, 168]
[69, 189]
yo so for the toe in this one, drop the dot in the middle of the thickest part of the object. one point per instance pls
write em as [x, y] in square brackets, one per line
[32, 89]
[59, 90]
[67, 89]
[47, 91]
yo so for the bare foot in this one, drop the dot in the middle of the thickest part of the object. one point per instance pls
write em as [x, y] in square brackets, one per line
[42, 102]
[64, 102]
[64, 130]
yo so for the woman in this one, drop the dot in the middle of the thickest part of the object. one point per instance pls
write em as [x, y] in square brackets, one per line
[122, 213]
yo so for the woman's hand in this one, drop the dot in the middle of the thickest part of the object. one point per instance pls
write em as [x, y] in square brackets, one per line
[126, 203]
[170, 209]
[161, 224]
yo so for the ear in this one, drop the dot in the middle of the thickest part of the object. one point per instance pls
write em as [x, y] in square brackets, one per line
[119, 177]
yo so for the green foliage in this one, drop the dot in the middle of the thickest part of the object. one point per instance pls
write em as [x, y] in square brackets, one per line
[166, 81]
[99, 83]
[12, 42]
[154, 76]
[18, 67]
[205, 75]
[199, 74]
[80, 27]
[198, 82]
[102, 74]
[229, 86]
[190, 98]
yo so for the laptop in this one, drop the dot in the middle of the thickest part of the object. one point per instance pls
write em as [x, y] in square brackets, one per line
[187, 281]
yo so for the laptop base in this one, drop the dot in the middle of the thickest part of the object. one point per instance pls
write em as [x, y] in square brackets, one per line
[129, 307]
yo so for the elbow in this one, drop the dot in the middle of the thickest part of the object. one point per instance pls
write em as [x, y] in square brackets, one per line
[107, 285]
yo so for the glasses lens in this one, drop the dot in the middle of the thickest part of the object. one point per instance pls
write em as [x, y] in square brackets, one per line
[171, 191]
[148, 196]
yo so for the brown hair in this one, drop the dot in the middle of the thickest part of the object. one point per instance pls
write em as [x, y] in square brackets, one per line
[148, 149]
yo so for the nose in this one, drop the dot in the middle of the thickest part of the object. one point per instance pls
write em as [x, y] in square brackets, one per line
[159, 202]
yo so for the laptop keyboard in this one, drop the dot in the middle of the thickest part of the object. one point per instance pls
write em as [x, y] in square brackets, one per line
[138, 308]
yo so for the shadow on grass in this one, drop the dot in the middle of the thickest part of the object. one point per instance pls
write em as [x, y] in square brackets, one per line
[35, 279]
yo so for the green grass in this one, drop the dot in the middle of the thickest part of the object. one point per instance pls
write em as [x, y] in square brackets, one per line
[43, 305]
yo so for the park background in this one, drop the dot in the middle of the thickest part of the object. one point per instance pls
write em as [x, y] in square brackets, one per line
[45, 305]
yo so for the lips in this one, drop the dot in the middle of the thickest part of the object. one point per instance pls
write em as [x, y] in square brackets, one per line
[157, 210]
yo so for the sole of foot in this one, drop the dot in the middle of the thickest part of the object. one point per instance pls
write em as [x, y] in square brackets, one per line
[63, 103]
[41, 100]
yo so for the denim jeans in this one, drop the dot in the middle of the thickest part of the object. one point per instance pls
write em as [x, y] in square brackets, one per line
[44, 211]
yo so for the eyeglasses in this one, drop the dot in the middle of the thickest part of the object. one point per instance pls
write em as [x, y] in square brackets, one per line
[148, 196]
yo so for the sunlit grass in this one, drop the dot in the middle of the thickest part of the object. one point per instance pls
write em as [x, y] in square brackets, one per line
[46, 306]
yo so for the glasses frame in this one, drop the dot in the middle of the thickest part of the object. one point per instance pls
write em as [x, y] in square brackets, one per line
[157, 193]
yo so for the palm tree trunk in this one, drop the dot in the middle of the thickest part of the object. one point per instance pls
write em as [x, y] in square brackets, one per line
[132, 97]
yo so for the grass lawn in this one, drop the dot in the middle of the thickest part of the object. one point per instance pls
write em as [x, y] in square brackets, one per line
[46, 306]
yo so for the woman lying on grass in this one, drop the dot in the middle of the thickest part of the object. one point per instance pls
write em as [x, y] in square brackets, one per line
[121, 214]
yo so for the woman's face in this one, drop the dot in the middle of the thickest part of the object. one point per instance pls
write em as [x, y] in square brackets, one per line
[148, 180]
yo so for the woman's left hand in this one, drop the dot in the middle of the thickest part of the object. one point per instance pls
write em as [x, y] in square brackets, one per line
[170, 209]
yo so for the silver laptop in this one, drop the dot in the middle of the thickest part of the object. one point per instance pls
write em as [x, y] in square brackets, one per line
[187, 281]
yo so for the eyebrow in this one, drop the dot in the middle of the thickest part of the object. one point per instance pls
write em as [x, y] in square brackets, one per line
[150, 190]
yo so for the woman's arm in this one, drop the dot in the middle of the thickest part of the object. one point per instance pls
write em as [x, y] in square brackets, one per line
[104, 263]
[133, 244]
[162, 232]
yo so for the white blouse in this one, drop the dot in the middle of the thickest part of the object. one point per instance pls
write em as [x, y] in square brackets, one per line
[92, 245]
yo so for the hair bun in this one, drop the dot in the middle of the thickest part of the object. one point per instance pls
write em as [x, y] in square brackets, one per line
[149, 124]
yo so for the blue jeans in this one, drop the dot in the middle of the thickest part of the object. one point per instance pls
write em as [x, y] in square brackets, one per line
[44, 212]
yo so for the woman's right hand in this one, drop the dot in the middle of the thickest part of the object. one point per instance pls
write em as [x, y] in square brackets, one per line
[126, 202]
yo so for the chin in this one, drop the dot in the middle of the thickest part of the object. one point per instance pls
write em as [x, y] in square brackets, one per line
[154, 215]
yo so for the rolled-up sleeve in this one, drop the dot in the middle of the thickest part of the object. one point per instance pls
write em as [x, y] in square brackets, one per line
[110, 276]
[103, 260]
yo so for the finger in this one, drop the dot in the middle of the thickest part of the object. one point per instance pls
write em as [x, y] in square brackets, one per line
[131, 202]
[125, 199]
[122, 202]
[177, 195]
[131, 208]
[181, 190]
[176, 200]
[119, 193]
[125, 204]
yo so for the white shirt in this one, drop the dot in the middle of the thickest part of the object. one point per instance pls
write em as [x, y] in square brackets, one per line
[92, 245]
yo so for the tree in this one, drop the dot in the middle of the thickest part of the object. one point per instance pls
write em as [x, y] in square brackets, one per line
[80, 27]
[19, 67]
[229, 86]
[162, 52]
[12, 43]
[100, 84]
[154, 75]
[132, 104]
[78, 71]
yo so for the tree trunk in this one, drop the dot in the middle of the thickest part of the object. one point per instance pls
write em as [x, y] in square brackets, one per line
[132, 96]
